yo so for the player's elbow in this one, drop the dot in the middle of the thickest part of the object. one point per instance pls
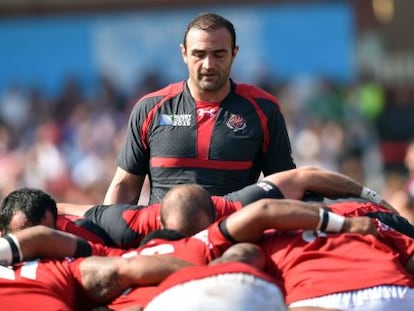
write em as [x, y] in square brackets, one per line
[264, 208]
[305, 174]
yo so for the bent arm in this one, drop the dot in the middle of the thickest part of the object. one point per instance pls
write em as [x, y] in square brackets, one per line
[73, 209]
[248, 224]
[124, 188]
[296, 182]
[105, 278]
[42, 241]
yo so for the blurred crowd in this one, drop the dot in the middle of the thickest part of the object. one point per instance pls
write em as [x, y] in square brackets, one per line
[67, 144]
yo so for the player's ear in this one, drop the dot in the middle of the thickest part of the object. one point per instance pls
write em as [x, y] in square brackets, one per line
[235, 51]
[183, 53]
[160, 222]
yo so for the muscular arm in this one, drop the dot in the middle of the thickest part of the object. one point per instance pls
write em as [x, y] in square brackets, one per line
[296, 182]
[105, 278]
[124, 188]
[73, 209]
[42, 241]
[248, 224]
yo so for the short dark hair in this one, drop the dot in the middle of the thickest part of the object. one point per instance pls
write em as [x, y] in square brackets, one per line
[34, 203]
[209, 22]
[165, 234]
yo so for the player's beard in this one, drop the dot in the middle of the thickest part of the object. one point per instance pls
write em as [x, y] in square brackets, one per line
[214, 83]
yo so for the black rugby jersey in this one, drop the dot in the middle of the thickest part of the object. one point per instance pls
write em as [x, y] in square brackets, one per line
[221, 146]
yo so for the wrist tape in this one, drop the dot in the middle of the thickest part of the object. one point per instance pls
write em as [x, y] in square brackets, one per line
[10, 251]
[370, 195]
[330, 222]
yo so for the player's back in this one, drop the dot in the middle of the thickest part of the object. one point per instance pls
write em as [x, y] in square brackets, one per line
[38, 285]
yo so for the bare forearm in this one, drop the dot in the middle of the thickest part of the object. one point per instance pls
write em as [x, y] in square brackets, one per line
[101, 278]
[249, 224]
[105, 278]
[291, 215]
[73, 209]
[118, 194]
[330, 184]
[41, 241]
[296, 182]
[157, 268]
[124, 188]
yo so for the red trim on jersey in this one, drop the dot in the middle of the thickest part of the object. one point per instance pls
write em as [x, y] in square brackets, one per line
[146, 124]
[173, 88]
[169, 91]
[250, 93]
[206, 120]
[255, 92]
[200, 163]
[63, 223]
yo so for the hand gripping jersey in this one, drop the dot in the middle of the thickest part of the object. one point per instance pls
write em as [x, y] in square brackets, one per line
[314, 264]
[40, 285]
[222, 146]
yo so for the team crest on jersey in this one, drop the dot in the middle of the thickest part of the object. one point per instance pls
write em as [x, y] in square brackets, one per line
[236, 123]
[175, 119]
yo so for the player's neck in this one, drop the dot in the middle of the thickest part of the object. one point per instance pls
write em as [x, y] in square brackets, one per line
[205, 96]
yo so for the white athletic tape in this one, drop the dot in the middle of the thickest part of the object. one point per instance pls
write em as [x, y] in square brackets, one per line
[5, 252]
[370, 195]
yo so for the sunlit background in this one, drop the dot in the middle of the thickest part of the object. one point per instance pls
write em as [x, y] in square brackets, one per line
[70, 72]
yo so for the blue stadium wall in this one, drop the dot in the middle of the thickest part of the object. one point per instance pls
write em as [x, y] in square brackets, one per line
[287, 40]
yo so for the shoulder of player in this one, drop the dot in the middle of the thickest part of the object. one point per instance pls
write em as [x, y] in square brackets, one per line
[156, 97]
[254, 92]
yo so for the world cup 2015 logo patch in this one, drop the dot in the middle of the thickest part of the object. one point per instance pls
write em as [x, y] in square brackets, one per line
[175, 119]
[236, 123]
